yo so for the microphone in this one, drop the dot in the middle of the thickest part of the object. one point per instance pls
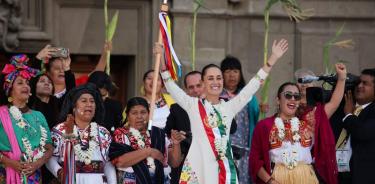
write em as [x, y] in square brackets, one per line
[80, 112]
[310, 78]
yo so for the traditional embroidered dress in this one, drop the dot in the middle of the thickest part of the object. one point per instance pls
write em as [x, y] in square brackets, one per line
[148, 170]
[31, 131]
[99, 170]
[289, 161]
[210, 156]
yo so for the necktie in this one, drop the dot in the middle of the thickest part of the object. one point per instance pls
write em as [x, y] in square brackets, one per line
[343, 134]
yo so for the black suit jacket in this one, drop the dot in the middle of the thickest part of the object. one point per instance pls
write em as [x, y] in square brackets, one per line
[362, 131]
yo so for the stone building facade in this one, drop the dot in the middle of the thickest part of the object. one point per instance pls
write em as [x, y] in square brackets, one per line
[224, 27]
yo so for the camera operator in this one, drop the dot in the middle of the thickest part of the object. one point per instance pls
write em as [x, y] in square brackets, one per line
[320, 114]
[360, 125]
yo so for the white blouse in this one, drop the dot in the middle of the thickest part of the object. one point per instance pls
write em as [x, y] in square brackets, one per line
[304, 153]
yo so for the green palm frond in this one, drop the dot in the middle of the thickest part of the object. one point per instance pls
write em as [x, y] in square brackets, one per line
[328, 66]
[110, 29]
[197, 5]
[293, 10]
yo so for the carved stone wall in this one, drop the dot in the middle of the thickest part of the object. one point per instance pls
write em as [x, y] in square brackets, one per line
[237, 29]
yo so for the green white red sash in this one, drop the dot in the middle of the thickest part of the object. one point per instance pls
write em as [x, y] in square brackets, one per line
[227, 170]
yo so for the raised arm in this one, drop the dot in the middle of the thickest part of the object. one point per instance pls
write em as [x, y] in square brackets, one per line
[238, 102]
[338, 93]
[179, 95]
[103, 57]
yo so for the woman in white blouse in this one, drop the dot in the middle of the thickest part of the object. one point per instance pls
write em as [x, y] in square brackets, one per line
[210, 157]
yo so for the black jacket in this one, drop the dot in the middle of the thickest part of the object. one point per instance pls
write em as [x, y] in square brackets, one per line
[362, 132]
[113, 114]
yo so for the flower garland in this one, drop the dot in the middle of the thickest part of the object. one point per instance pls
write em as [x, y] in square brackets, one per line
[86, 155]
[141, 142]
[221, 146]
[17, 115]
[289, 159]
[294, 127]
[215, 119]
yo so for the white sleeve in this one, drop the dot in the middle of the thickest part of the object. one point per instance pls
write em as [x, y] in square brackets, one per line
[239, 101]
[110, 173]
[179, 95]
[53, 163]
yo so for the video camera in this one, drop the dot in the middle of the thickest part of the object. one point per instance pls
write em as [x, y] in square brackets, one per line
[318, 94]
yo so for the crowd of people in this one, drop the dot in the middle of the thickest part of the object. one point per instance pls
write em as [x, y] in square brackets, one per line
[58, 129]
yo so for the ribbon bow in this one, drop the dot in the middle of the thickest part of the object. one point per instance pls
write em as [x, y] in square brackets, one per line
[17, 67]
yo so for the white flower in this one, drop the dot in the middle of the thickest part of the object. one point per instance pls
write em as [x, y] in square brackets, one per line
[295, 129]
[280, 127]
[290, 159]
[40, 150]
[16, 113]
[21, 124]
[86, 156]
[221, 146]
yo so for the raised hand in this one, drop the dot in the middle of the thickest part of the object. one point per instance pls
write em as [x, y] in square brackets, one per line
[69, 124]
[66, 62]
[107, 46]
[177, 136]
[45, 53]
[158, 49]
[279, 48]
[341, 71]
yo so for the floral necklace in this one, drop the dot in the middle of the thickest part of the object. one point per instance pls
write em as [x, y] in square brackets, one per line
[84, 151]
[21, 122]
[139, 141]
[215, 120]
[290, 159]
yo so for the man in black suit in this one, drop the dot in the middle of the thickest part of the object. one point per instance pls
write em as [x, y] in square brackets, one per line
[360, 124]
[179, 120]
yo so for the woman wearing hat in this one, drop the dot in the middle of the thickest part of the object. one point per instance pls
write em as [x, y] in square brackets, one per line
[25, 142]
[81, 144]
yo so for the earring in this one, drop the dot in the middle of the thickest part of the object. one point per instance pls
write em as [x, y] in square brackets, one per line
[10, 99]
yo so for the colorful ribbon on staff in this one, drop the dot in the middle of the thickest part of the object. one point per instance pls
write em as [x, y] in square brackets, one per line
[171, 60]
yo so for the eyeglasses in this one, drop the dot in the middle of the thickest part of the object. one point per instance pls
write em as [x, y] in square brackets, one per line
[289, 95]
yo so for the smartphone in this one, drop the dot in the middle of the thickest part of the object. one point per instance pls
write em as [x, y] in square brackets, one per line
[60, 52]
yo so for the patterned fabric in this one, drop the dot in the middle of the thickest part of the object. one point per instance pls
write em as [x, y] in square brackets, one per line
[305, 131]
[242, 138]
[188, 176]
[127, 175]
[100, 154]
[18, 66]
[3, 175]
[58, 140]
[32, 132]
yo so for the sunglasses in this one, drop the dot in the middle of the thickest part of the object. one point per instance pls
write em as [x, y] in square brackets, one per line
[289, 95]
